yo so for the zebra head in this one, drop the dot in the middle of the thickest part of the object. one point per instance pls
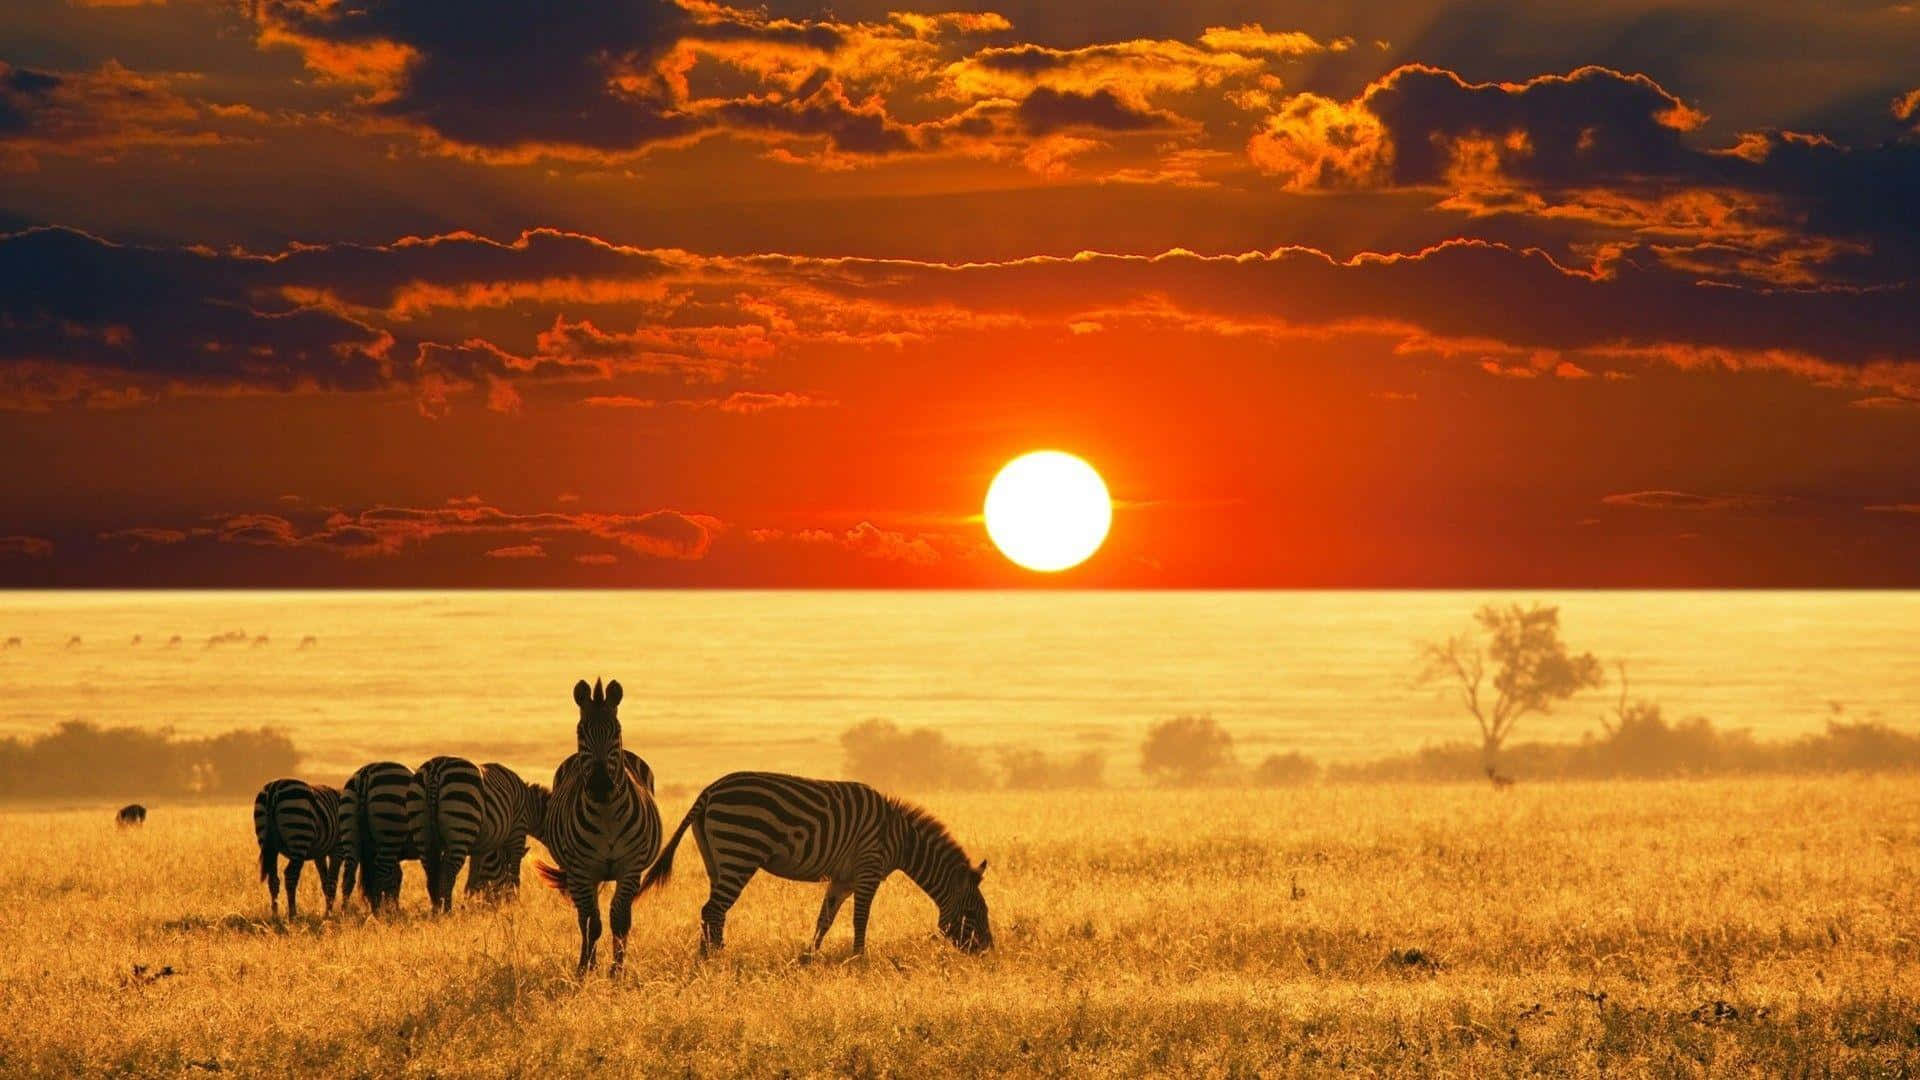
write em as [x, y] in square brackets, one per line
[598, 733]
[963, 914]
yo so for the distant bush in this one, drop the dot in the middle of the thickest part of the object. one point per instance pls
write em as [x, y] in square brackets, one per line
[1028, 769]
[1187, 750]
[1643, 744]
[880, 753]
[79, 759]
[1286, 770]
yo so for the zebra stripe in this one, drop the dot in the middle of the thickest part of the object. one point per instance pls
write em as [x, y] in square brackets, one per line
[302, 822]
[443, 814]
[601, 824]
[373, 814]
[836, 831]
[510, 811]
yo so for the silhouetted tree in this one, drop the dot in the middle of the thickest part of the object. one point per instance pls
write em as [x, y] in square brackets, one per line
[1531, 669]
[1187, 750]
[1027, 768]
[1286, 770]
[880, 753]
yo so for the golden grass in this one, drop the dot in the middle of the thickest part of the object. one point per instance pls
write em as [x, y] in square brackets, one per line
[1733, 928]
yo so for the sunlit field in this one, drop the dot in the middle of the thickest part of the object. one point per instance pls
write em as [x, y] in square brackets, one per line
[1728, 927]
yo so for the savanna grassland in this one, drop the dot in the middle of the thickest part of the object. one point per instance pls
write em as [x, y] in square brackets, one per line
[1728, 927]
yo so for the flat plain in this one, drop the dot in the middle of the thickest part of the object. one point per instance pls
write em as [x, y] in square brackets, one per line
[1745, 927]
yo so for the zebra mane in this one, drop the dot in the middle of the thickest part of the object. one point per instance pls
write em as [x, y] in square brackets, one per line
[930, 829]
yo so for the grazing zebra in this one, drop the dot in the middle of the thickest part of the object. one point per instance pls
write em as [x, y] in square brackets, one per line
[302, 822]
[131, 814]
[373, 814]
[510, 811]
[601, 824]
[841, 832]
[1500, 783]
[443, 812]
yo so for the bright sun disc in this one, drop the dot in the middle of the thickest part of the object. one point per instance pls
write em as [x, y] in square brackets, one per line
[1048, 510]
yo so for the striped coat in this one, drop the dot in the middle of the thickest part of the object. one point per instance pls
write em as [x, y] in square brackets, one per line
[510, 811]
[373, 813]
[601, 824]
[843, 833]
[443, 815]
[301, 822]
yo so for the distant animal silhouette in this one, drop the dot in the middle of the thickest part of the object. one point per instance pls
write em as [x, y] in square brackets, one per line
[230, 637]
[135, 641]
[12, 643]
[73, 642]
[309, 642]
[259, 641]
[131, 814]
[173, 642]
[843, 833]
[510, 811]
[302, 822]
[373, 810]
[1500, 783]
[601, 823]
[443, 812]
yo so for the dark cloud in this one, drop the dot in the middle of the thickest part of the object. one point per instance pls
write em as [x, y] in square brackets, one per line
[388, 530]
[25, 547]
[1047, 110]
[1690, 502]
[1613, 149]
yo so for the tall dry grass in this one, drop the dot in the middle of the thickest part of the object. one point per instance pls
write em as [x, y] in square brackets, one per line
[1726, 927]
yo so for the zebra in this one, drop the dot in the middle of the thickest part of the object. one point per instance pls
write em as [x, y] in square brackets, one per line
[443, 815]
[373, 816]
[837, 831]
[302, 822]
[131, 814]
[601, 824]
[510, 811]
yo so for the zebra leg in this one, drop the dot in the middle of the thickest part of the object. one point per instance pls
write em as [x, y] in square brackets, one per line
[272, 863]
[863, 891]
[449, 870]
[349, 867]
[620, 919]
[837, 894]
[506, 877]
[723, 890]
[293, 887]
[586, 902]
[329, 879]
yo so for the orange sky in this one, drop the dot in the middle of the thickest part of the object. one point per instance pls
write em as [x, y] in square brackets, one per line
[413, 292]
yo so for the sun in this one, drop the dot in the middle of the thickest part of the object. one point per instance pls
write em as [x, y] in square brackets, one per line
[1048, 510]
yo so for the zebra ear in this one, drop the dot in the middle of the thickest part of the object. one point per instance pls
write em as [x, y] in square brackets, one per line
[980, 871]
[613, 692]
[581, 692]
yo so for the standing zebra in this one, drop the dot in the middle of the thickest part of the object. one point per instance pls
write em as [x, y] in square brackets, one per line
[844, 833]
[373, 814]
[601, 823]
[443, 814]
[302, 822]
[510, 811]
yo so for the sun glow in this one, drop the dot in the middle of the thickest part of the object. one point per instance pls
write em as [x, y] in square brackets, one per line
[1048, 510]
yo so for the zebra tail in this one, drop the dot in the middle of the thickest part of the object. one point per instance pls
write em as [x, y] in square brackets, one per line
[267, 832]
[662, 868]
[554, 877]
[363, 846]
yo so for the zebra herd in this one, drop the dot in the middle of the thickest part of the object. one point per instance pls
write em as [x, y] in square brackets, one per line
[600, 824]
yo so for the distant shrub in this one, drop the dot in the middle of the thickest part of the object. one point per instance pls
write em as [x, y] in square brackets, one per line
[1643, 744]
[880, 753]
[1187, 750]
[1028, 769]
[1286, 770]
[79, 759]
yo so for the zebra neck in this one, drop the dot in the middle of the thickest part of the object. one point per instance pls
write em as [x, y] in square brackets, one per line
[930, 858]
